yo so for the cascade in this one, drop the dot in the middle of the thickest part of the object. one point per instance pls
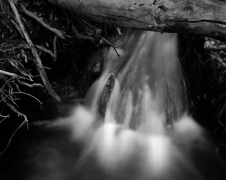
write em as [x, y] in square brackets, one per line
[146, 132]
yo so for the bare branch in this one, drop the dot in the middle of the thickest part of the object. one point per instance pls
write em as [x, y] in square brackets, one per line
[28, 95]
[37, 59]
[10, 139]
[17, 28]
[14, 48]
[113, 46]
[46, 50]
[4, 117]
[45, 25]
[8, 73]
[29, 85]
[54, 48]
[220, 123]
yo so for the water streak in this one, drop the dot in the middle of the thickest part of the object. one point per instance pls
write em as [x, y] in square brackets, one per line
[146, 133]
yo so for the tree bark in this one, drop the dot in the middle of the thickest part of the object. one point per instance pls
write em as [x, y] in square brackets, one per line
[206, 17]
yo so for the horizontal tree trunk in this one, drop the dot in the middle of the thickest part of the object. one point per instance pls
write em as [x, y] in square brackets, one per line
[207, 17]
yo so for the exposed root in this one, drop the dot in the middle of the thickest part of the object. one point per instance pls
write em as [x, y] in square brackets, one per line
[45, 25]
[36, 59]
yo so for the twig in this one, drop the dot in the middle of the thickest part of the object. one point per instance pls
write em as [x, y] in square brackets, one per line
[4, 117]
[54, 48]
[108, 42]
[219, 122]
[7, 81]
[14, 109]
[10, 140]
[46, 50]
[28, 95]
[15, 63]
[14, 48]
[8, 96]
[18, 89]
[4, 98]
[45, 25]
[10, 93]
[17, 28]
[8, 73]
[113, 46]
[37, 59]
[29, 85]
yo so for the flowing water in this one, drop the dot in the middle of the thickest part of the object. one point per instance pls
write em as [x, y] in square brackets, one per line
[146, 132]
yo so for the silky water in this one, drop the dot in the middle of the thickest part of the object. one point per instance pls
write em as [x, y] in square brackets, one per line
[146, 132]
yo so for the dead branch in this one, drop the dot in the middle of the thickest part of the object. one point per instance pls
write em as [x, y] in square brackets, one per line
[17, 65]
[29, 85]
[12, 107]
[28, 95]
[9, 96]
[10, 139]
[37, 59]
[17, 28]
[3, 117]
[113, 46]
[7, 81]
[220, 123]
[46, 51]
[17, 87]
[206, 17]
[8, 73]
[45, 25]
[20, 46]
[54, 48]
[7, 116]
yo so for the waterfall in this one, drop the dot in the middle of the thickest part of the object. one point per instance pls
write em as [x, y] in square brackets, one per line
[146, 132]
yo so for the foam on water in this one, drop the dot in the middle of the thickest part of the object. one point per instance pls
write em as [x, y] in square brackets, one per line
[145, 125]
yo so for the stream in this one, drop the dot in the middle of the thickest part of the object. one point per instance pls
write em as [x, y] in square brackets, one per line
[146, 133]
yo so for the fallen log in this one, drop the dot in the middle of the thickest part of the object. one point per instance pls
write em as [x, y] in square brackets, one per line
[206, 17]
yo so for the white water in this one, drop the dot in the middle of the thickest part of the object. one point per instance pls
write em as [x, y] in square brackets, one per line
[135, 139]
